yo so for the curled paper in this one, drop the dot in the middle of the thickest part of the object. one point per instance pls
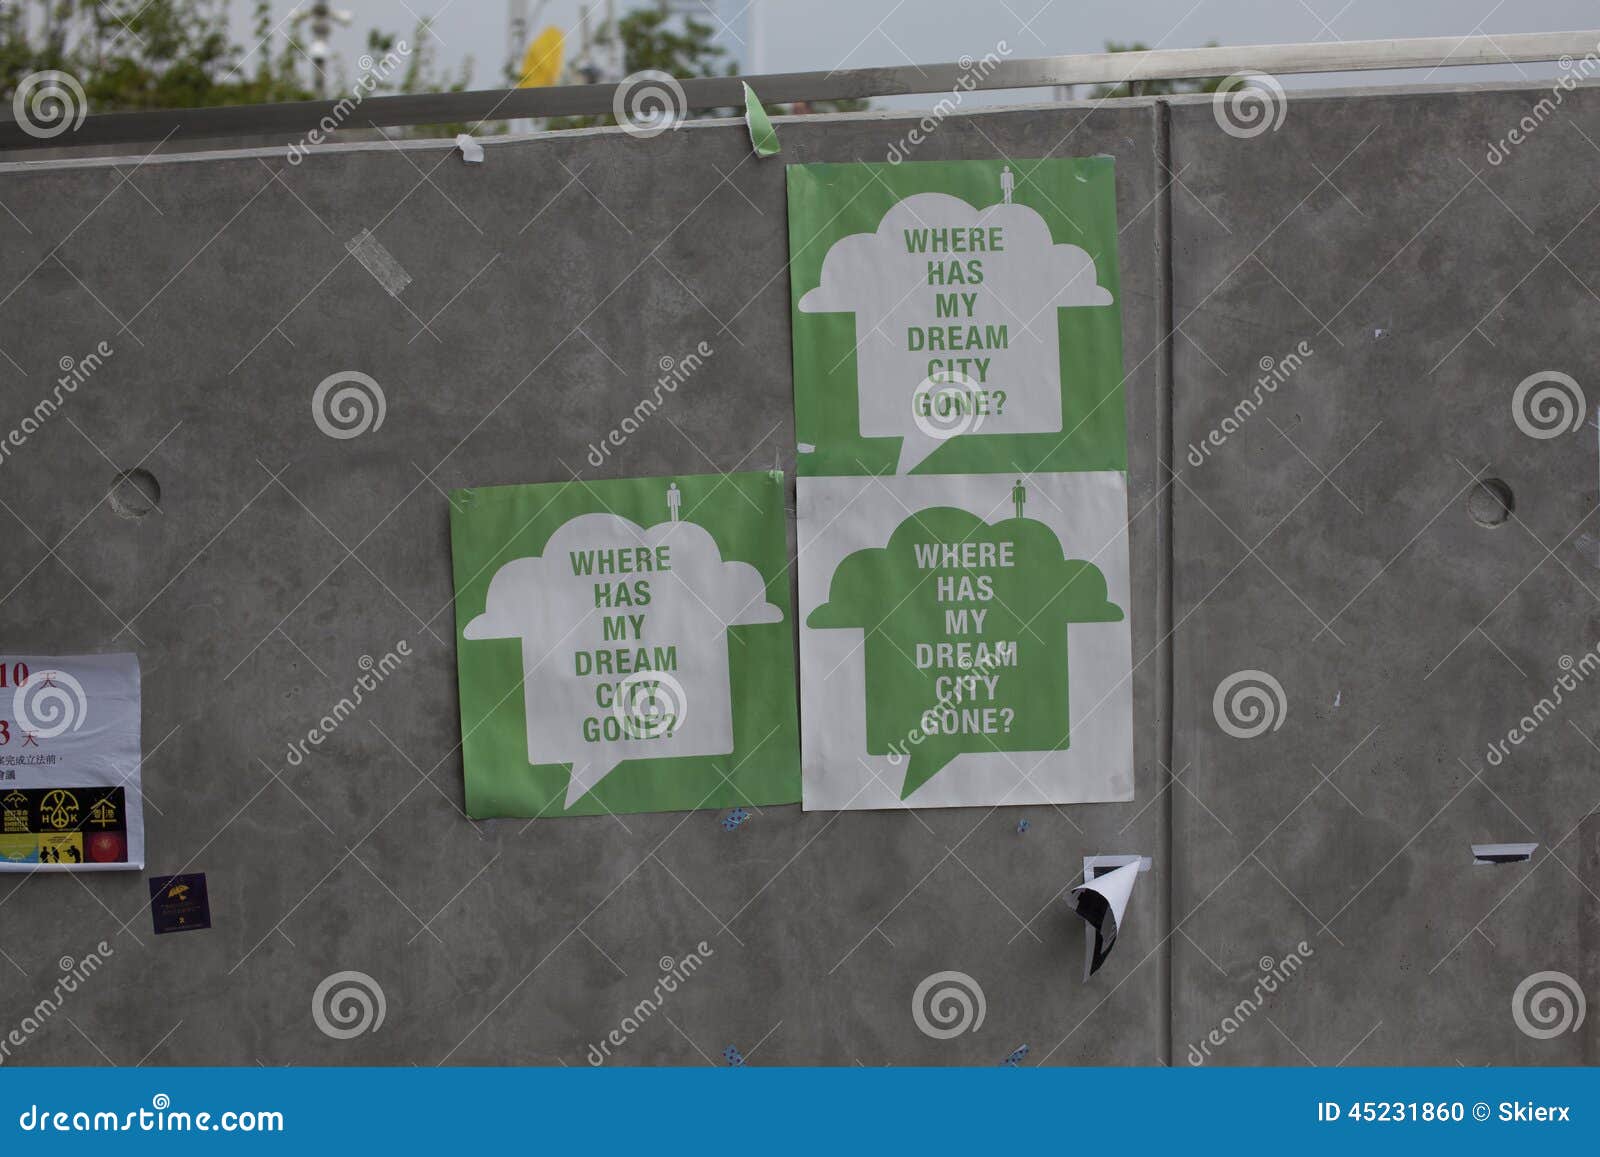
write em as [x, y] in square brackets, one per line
[1101, 900]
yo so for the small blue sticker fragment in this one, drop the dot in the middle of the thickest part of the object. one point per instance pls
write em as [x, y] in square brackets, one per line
[1012, 1061]
[1022, 826]
[733, 1056]
[734, 818]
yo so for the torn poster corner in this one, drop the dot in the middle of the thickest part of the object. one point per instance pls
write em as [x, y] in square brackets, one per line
[471, 150]
[1101, 900]
[1502, 853]
[763, 138]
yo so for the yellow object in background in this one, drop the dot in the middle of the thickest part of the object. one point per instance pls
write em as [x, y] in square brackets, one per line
[541, 66]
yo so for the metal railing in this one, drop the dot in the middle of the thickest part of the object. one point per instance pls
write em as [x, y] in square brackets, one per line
[293, 120]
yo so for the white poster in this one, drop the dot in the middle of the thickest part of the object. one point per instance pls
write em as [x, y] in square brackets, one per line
[965, 640]
[69, 764]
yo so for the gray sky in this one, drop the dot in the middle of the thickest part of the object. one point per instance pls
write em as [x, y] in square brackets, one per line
[800, 35]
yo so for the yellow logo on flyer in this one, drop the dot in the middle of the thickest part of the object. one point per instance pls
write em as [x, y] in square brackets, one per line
[15, 818]
[59, 809]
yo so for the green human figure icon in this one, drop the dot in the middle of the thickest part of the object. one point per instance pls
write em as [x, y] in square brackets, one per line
[1019, 497]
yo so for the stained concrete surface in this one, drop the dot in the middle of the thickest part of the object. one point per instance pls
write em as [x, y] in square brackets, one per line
[547, 284]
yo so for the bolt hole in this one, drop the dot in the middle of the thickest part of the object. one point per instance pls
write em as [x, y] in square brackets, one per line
[135, 493]
[1491, 502]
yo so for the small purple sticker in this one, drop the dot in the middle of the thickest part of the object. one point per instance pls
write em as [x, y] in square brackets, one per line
[179, 903]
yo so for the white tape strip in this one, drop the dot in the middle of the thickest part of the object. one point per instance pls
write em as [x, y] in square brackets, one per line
[379, 262]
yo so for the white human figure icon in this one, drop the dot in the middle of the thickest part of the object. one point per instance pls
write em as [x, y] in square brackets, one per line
[1008, 183]
[674, 499]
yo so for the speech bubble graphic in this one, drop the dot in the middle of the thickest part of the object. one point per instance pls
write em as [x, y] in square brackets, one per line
[624, 642]
[965, 640]
[946, 292]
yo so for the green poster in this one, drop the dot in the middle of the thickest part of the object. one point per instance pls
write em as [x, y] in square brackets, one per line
[956, 317]
[624, 646]
[965, 634]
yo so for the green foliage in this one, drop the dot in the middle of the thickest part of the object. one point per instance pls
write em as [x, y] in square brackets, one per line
[162, 54]
[654, 40]
[421, 75]
[147, 54]
[1154, 87]
[150, 54]
[649, 41]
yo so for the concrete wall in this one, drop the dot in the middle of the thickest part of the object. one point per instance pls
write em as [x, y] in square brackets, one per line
[1327, 542]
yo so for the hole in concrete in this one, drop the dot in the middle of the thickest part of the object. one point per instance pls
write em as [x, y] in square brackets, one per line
[1491, 502]
[136, 493]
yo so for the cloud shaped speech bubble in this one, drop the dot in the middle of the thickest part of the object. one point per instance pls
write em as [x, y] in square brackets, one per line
[624, 642]
[966, 647]
[961, 298]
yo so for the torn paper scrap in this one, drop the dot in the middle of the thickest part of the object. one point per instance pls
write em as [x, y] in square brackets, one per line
[1502, 853]
[471, 150]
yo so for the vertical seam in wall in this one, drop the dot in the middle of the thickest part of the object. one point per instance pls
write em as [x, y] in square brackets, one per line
[1162, 136]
